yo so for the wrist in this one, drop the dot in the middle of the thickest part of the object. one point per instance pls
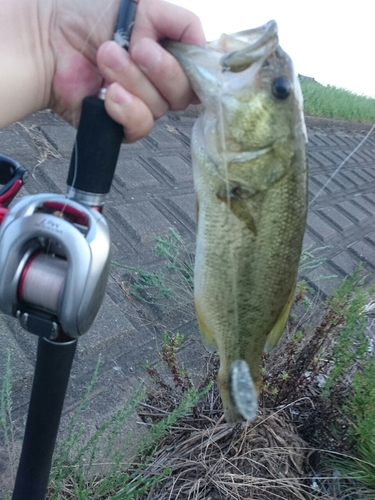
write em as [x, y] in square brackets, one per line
[26, 63]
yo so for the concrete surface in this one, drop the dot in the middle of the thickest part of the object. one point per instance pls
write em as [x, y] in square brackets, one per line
[153, 191]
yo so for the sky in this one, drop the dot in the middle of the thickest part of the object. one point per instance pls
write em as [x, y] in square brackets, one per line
[332, 41]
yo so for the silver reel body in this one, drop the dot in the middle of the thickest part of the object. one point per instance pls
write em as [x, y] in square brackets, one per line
[54, 261]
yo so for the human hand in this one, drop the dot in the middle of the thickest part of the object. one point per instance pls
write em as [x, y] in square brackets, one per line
[52, 53]
[142, 83]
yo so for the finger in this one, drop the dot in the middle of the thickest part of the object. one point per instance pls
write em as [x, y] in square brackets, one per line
[130, 111]
[163, 70]
[116, 65]
[158, 20]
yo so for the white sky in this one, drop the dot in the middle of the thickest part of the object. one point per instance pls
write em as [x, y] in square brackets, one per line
[332, 41]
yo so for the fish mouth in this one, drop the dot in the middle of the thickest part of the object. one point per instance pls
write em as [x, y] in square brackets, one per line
[234, 53]
[257, 44]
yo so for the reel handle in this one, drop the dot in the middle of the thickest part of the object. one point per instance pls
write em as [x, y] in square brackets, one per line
[12, 178]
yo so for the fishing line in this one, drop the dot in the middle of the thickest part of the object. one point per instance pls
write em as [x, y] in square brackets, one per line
[342, 164]
[222, 132]
[75, 83]
[46, 273]
[232, 256]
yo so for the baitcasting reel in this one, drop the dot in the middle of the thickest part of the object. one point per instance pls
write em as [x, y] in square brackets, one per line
[54, 259]
[55, 250]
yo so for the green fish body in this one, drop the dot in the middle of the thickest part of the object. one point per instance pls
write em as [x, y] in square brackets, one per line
[250, 177]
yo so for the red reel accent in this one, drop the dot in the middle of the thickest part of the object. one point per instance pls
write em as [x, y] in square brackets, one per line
[23, 275]
[7, 197]
[3, 212]
[72, 214]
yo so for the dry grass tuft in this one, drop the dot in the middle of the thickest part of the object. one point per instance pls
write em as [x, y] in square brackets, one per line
[209, 459]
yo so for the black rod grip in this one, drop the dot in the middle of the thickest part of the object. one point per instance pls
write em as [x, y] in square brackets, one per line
[96, 149]
[52, 371]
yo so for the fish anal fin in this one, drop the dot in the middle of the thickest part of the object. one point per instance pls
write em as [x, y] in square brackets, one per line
[196, 213]
[275, 334]
[239, 207]
[208, 337]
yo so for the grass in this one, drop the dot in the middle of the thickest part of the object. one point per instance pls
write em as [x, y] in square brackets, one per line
[73, 474]
[333, 102]
[319, 392]
[331, 364]
[174, 282]
[309, 373]
[6, 429]
[347, 309]
[354, 364]
[313, 397]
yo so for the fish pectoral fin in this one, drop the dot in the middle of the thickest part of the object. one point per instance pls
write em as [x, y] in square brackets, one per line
[276, 332]
[242, 390]
[208, 338]
[242, 212]
[239, 208]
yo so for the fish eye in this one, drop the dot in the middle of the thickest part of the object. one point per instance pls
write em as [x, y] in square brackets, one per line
[236, 192]
[281, 87]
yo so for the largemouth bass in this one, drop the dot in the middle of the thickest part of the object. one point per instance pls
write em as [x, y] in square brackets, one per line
[250, 177]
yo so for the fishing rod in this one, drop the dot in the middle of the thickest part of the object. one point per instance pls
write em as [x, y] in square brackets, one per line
[54, 261]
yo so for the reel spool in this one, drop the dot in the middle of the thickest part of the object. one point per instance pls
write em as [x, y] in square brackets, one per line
[42, 281]
[55, 257]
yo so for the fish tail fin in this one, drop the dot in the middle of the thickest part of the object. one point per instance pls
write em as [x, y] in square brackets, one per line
[276, 332]
[242, 390]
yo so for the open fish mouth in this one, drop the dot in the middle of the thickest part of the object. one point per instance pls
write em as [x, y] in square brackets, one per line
[235, 52]
[248, 47]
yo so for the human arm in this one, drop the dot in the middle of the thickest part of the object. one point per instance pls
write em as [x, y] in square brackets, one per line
[57, 52]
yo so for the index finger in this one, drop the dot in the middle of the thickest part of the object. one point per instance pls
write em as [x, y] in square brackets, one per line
[157, 19]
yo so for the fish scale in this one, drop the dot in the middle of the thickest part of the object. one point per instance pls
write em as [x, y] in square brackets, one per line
[252, 201]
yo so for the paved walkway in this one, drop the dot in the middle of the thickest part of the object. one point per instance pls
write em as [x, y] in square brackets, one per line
[153, 191]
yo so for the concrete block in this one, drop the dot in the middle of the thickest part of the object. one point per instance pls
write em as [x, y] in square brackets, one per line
[337, 219]
[321, 229]
[353, 211]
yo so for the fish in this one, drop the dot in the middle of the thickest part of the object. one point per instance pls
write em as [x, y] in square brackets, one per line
[248, 150]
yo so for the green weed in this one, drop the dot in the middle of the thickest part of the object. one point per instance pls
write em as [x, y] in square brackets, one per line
[346, 307]
[149, 287]
[348, 394]
[6, 425]
[173, 249]
[175, 283]
[360, 412]
[169, 354]
[73, 473]
[311, 258]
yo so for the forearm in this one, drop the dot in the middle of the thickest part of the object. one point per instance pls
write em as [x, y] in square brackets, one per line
[26, 61]
[53, 53]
